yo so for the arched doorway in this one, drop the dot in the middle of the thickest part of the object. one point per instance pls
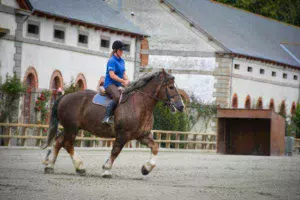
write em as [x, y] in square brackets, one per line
[282, 108]
[293, 109]
[31, 82]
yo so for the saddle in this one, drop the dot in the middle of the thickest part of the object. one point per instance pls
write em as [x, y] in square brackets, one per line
[102, 99]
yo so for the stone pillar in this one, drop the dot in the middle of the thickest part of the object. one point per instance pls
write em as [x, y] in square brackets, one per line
[137, 59]
[223, 81]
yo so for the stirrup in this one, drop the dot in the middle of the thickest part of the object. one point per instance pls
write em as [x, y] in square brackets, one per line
[107, 120]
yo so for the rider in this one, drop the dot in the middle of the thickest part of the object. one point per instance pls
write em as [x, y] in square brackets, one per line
[115, 77]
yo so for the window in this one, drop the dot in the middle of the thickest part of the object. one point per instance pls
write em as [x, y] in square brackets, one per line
[249, 69]
[295, 77]
[284, 75]
[83, 39]
[236, 66]
[105, 42]
[59, 34]
[33, 29]
[262, 71]
[126, 47]
[273, 74]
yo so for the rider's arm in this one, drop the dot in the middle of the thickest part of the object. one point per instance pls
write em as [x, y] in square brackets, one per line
[125, 76]
[115, 77]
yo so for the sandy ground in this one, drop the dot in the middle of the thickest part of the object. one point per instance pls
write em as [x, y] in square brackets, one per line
[178, 175]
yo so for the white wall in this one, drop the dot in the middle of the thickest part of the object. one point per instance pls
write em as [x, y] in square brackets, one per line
[257, 85]
[7, 50]
[46, 60]
[8, 21]
[11, 3]
[71, 35]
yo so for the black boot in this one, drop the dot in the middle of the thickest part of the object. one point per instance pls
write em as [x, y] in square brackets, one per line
[109, 110]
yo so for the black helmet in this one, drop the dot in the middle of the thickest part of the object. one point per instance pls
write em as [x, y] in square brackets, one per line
[118, 45]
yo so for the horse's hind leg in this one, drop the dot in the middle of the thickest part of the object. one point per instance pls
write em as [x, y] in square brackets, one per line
[77, 160]
[149, 165]
[49, 163]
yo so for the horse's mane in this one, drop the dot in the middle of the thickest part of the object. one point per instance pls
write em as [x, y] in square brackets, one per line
[141, 82]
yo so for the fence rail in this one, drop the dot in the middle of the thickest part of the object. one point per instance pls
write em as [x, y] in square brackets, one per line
[33, 134]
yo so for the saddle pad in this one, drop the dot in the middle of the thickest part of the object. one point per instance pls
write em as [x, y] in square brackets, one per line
[101, 100]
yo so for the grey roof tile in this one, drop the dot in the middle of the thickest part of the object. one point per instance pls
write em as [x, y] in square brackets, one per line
[96, 12]
[240, 31]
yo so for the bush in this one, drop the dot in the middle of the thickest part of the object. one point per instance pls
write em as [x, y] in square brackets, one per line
[70, 88]
[164, 119]
[295, 122]
[11, 91]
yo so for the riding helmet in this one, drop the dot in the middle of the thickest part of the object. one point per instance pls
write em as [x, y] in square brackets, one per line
[118, 45]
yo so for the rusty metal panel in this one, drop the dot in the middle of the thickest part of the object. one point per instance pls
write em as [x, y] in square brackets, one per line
[244, 113]
[251, 132]
[277, 135]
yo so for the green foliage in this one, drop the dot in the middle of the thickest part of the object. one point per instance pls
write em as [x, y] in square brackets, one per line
[296, 122]
[11, 90]
[41, 105]
[283, 10]
[164, 119]
[71, 87]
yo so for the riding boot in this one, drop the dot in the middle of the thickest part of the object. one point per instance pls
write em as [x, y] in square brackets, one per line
[109, 111]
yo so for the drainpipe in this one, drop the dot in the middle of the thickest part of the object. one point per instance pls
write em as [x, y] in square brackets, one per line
[230, 89]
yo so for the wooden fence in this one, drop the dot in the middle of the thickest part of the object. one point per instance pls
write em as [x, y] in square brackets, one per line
[22, 134]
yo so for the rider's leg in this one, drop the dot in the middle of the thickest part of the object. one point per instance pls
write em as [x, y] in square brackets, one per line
[114, 93]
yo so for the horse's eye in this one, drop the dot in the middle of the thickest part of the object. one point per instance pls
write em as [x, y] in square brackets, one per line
[171, 87]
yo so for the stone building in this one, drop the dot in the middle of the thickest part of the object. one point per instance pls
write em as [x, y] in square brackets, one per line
[48, 42]
[219, 53]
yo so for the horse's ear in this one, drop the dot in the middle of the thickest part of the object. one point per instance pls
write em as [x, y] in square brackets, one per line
[164, 72]
[169, 71]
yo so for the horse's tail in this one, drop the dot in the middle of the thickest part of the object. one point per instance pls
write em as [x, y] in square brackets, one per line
[53, 125]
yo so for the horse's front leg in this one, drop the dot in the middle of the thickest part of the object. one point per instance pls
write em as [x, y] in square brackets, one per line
[117, 148]
[150, 164]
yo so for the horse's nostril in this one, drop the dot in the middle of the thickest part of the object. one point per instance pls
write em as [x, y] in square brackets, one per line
[181, 108]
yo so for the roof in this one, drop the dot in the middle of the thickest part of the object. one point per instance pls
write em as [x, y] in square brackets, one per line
[242, 32]
[95, 12]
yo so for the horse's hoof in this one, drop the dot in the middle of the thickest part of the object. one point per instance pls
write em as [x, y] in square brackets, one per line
[106, 174]
[145, 171]
[81, 172]
[49, 170]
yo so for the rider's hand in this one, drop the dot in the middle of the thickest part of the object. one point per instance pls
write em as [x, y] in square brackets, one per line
[126, 83]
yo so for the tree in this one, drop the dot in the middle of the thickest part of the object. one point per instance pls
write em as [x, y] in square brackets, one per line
[283, 10]
[296, 121]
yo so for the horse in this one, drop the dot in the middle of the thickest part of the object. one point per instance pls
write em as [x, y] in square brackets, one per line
[133, 120]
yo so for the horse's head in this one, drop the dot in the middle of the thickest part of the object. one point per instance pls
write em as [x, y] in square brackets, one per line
[168, 92]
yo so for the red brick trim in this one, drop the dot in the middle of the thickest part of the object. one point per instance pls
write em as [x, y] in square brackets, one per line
[248, 102]
[81, 77]
[259, 104]
[235, 102]
[293, 108]
[29, 71]
[58, 74]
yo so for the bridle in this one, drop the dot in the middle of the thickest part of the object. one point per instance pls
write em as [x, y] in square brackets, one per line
[164, 82]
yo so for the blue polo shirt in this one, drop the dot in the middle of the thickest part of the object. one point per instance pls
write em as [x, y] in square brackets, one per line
[117, 65]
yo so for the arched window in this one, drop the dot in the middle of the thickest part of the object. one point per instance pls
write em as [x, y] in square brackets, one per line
[144, 56]
[234, 101]
[282, 108]
[248, 102]
[56, 82]
[293, 108]
[31, 81]
[272, 105]
[81, 82]
[259, 104]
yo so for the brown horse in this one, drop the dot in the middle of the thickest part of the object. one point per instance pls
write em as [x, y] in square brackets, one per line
[133, 119]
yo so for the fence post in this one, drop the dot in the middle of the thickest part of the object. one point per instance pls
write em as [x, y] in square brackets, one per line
[25, 140]
[168, 138]
[9, 139]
